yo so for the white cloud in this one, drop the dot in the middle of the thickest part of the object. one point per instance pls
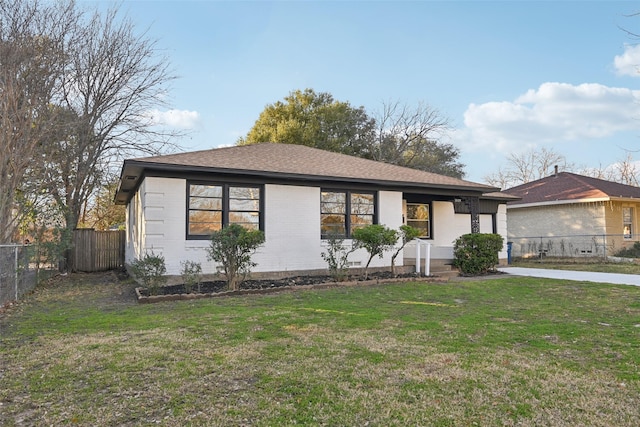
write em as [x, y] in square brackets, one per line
[628, 64]
[553, 113]
[182, 119]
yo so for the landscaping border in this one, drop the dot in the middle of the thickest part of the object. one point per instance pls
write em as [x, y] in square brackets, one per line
[144, 299]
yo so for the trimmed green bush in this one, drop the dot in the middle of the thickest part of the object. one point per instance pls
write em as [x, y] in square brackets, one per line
[477, 253]
[150, 270]
[407, 233]
[191, 275]
[337, 257]
[376, 239]
[233, 247]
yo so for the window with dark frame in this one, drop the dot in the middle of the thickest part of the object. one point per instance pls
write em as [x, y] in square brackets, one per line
[627, 223]
[341, 212]
[418, 217]
[213, 206]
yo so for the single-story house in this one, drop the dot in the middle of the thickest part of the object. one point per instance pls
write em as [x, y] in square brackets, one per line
[567, 214]
[297, 195]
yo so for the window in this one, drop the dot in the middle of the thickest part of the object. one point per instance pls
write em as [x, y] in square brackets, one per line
[341, 212]
[212, 206]
[627, 223]
[418, 217]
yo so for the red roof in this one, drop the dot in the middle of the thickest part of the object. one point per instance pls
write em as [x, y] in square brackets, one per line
[567, 187]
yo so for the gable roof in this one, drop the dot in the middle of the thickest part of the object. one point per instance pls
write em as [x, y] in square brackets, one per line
[566, 187]
[289, 161]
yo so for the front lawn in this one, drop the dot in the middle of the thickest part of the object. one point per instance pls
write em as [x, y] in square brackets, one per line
[507, 351]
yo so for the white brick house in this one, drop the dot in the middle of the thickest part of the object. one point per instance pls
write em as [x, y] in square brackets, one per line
[296, 195]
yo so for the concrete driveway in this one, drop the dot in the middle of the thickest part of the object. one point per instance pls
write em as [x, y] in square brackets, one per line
[583, 276]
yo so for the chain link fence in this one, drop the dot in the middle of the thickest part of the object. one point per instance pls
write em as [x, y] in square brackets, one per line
[571, 246]
[20, 270]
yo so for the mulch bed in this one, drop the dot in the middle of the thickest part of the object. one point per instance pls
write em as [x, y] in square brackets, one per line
[219, 288]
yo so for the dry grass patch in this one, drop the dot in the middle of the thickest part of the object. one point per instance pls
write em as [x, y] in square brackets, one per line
[504, 352]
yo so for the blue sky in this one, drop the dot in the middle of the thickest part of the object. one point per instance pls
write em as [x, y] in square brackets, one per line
[509, 75]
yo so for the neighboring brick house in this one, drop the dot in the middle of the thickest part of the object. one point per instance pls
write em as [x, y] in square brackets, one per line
[570, 214]
[297, 195]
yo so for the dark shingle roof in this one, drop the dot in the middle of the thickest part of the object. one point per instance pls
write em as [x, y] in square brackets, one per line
[291, 161]
[568, 187]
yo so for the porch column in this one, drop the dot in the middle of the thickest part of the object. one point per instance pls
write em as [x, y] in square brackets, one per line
[473, 204]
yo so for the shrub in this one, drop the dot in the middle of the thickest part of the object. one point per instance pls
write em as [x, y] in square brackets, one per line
[150, 270]
[337, 257]
[407, 233]
[477, 253]
[376, 239]
[233, 247]
[58, 248]
[191, 275]
[632, 252]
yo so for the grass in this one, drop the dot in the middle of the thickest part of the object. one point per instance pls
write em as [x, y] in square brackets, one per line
[577, 264]
[508, 351]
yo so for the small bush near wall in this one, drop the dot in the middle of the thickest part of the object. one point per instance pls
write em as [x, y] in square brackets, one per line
[233, 247]
[477, 253]
[632, 252]
[191, 275]
[337, 257]
[150, 270]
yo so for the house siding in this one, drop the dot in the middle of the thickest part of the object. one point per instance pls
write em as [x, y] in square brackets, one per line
[614, 226]
[291, 225]
[292, 229]
[559, 230]
[557, 220]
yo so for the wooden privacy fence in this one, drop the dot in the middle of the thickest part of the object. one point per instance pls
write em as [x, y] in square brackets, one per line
[97, 250]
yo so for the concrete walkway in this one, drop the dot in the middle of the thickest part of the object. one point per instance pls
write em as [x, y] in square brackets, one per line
[583, 276]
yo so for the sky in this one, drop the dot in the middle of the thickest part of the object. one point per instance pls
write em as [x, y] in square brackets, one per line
[510, 76]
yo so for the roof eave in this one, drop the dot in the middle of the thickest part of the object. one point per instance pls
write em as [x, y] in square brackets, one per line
[556, 202]
[133, 170]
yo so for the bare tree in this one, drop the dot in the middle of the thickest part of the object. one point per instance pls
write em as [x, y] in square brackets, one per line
[76, 93]
[627, 171]
[100, 212]
[599, 172]
[31, 46]
[112, 80]
[535, 164]
[528, 166]
[412, 137]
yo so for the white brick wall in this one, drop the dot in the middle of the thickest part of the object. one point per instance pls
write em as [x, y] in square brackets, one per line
[292, 227]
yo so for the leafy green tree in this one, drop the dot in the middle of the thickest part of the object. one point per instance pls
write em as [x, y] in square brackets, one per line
[399, 135]
[233, 247]
[315, 120]
[376, 239]
[407, 233]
